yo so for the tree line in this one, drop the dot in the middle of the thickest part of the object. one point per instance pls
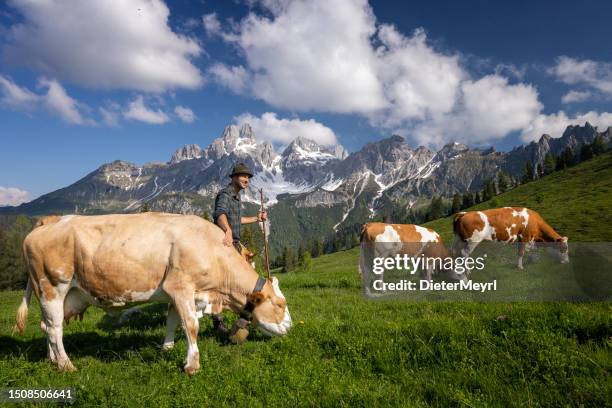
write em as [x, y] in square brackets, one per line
[13, 273]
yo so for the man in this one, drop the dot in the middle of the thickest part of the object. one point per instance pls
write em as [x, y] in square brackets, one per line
[227, 215]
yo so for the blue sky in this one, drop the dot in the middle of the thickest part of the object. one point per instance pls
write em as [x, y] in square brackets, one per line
[82, 84]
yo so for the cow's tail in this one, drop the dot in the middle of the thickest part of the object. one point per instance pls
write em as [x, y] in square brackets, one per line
[22, 313]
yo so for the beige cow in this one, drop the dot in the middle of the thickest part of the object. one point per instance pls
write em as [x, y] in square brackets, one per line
[116, 261]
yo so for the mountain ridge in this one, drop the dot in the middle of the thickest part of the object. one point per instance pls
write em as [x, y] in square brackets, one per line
[305, 172]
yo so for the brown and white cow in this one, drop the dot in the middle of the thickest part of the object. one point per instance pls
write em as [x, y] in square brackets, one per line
[507, 224]
[387, 240]
[115, 261]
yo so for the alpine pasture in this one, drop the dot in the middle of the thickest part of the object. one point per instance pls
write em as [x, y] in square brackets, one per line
[346, 350]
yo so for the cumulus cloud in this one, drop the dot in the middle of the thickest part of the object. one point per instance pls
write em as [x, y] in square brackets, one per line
[137, 110]
[55, 99]
[282, 131]
[418, 82]
[593, 74]
[490, 108]
[235, 78]
[111, 44]
[13, 196]
[16, 97]
[554, 124]
[335, 57]
[575, 96]
[312, 55]
[185, 114]
[60, 103]
[211, 23]
[110, 117]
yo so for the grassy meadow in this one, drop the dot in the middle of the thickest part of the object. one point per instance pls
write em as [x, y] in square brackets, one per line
[346, 350]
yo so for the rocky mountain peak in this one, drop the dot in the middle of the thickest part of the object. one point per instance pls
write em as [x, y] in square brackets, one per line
[117, 165]
[302, 148]
[246, 132]
[451, 149]
[187, 152]
[232, 140]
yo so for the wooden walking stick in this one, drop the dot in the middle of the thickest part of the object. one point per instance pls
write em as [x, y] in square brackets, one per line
[263, 227]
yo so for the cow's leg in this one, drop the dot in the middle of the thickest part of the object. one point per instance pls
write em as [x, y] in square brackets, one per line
[467, 250]
[52, 305]
[172, 322]
[50, 352]
[185, 306]
[457, 246]
[429, 273]
[521, 253]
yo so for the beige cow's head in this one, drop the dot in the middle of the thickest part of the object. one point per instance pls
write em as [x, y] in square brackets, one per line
[271, 314]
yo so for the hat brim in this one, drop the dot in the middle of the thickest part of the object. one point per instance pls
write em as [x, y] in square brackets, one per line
[241, 172]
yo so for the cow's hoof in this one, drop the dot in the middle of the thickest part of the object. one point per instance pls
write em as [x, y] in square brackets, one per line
[66, 366]
[167, 346]
[192, 369]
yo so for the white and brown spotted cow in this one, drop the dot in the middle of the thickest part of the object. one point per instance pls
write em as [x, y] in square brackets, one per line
[387, 240]
[115, 261]
[508, 224]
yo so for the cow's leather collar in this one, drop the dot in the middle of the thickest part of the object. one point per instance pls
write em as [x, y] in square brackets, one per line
[248, 308]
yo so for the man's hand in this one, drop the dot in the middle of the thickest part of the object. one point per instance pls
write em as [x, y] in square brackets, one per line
[262, 216]
[228, 240]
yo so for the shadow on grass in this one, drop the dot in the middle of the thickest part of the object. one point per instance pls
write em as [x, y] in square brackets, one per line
[86, 344]
[150, 316]
[117, 342]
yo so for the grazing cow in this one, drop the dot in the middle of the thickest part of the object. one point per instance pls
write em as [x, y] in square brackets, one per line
[508, 224]
[387, 240]
[115, 261]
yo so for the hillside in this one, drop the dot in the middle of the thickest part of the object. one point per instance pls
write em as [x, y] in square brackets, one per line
[577, 202]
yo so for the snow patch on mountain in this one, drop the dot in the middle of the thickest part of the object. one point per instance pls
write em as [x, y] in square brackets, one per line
[331, 184]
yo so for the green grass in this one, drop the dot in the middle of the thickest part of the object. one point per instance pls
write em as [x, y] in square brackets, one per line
[345, 350]
[577, 202]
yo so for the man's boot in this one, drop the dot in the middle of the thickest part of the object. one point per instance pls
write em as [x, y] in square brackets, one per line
[218, 324]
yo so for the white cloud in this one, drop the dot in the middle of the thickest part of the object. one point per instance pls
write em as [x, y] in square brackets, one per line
[16, 97]
[555, 124]
[185, 114]
[55, 99]
[269, 127]
[575, 96]
[235, 78]
[489, 109]
[103, 44]
[312, 55]
[594, 74]
[334, 57]
[136, 110]
[418, 81]
[60, 103]
[13, 196]
[109, 117]
[211, 23]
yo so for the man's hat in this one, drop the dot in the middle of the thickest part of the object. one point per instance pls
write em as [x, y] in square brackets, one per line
[241, 168]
